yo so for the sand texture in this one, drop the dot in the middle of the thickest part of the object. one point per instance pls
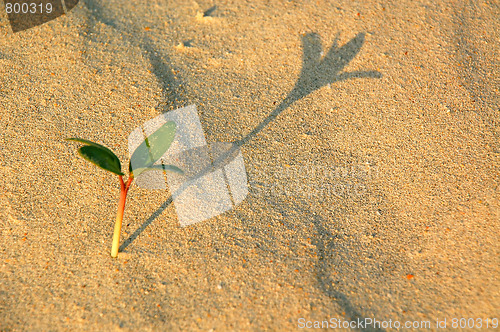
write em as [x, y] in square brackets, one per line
[370, 136]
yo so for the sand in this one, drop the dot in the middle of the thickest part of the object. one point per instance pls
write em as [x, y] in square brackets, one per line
[374, 194]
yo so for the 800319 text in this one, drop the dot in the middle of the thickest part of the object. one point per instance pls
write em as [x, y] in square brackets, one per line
[28, 8]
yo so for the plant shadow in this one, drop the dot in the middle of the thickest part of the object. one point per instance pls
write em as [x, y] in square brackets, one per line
[317, 71]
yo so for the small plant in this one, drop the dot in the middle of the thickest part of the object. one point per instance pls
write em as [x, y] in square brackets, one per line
[143, 159]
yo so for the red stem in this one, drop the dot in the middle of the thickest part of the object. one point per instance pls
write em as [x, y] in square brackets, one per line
[119, 215]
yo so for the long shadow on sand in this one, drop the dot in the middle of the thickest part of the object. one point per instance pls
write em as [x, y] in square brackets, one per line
[317, 71]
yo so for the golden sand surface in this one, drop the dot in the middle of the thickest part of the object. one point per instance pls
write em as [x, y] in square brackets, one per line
[374, 189]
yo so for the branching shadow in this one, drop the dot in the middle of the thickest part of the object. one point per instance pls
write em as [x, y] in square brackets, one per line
[316, 72]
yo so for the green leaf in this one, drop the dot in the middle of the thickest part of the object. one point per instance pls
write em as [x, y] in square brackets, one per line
[169, 168]
[101, 157]
[152, 148]
[172, 168]
[85, 141]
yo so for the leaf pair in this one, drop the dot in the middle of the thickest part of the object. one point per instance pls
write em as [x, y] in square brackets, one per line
[143, 158]
[152, 149]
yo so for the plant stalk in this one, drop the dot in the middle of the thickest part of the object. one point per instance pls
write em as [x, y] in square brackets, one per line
[119, 215]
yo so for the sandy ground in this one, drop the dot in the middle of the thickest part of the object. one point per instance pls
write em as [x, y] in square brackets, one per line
[375, 194]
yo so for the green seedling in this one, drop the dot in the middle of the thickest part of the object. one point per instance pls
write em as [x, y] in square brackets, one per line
[143, 159]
